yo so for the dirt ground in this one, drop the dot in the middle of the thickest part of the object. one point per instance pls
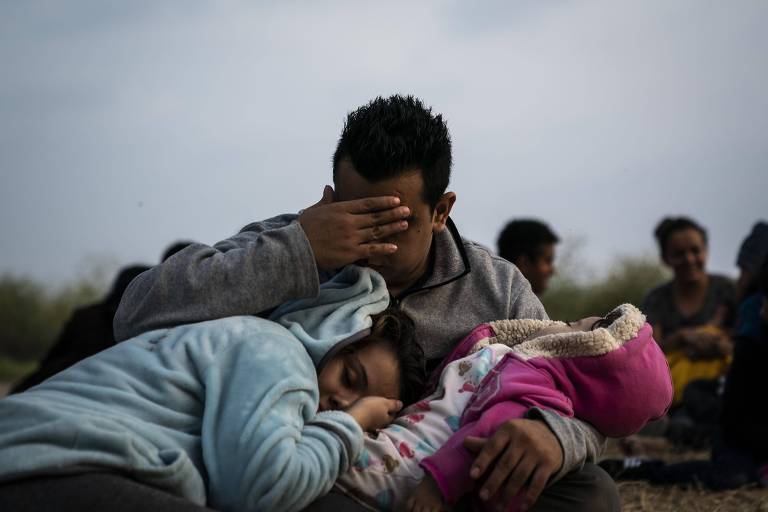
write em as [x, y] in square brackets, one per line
[641, 496]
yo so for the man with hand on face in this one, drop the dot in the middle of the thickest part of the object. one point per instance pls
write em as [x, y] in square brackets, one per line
[389, 211]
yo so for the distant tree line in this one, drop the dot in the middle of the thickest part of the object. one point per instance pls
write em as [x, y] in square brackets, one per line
[31, 314]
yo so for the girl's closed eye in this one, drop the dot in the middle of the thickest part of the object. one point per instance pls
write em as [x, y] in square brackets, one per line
[346, 377]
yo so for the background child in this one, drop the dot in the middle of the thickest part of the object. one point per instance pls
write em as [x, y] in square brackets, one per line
[608, 371]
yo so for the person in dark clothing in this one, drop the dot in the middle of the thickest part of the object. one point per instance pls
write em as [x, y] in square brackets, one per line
[88, 331]
[753, 250]
[740, 446]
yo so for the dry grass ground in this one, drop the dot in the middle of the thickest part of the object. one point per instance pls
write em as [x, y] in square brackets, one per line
[641, 496]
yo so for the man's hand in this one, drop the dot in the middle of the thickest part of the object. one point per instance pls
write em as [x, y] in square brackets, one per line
[341, 233]
[426, 497]
[374, 412]
[520, 452]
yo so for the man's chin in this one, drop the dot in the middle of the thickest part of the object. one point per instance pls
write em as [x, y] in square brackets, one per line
[378, 268]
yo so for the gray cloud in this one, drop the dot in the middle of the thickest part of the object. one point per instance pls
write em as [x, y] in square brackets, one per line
[125, 125]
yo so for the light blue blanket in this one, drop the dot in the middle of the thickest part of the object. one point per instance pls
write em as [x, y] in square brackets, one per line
[221, 412]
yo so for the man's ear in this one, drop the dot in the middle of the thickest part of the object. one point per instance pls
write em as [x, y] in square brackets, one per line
[442, 211]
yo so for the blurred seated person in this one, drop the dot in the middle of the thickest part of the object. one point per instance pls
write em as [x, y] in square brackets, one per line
[692, 314]
[753, 251]
[739, 453]
[530, 245]
[89, 329]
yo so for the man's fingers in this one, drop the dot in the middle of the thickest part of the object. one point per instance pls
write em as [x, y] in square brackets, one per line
[367, 250]
[379, 232]
[536, 485]
[491, 450]
[474, 444]
[516, 480]
[381, 217]
[505, 464]
[371, 204]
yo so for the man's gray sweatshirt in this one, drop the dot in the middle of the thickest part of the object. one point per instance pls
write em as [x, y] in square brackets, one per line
[271, 262]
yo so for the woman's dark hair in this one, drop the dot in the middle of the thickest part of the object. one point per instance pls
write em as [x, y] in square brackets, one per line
[396, 328]
[670, 225]
[392, 136]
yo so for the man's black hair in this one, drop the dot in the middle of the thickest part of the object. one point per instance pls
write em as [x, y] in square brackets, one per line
[397, 328]
[670, 225]
[524, 237]
[390, 137]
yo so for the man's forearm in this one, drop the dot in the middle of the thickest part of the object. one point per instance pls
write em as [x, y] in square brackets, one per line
[251, 272]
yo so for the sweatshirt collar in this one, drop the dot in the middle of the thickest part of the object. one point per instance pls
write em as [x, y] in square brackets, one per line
[448, 260]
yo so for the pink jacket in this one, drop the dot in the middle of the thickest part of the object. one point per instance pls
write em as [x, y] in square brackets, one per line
[617, 385]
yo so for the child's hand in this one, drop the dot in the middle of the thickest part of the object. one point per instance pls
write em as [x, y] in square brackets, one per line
[426, 497]
[374, 412]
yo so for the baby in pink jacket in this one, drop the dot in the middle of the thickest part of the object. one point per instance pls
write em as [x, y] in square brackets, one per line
[607, 371]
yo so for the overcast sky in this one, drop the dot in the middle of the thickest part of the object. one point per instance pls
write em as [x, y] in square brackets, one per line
[125, 125]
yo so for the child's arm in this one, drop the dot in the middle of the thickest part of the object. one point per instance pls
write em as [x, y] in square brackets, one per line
[264, 445]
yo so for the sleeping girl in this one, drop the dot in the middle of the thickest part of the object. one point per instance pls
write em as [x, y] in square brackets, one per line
[607, 371]
[240, 413]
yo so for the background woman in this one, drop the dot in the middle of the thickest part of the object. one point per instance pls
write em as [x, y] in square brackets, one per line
[692, 314]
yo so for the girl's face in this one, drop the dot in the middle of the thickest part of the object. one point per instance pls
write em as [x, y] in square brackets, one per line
[371, 370]
[589, 323]
[585, 324]
[686, 253]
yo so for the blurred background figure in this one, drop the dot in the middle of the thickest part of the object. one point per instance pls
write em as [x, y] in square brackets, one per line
[739, 447]
[530, 245]
[89, 329]
[692, 317]
[753, 251]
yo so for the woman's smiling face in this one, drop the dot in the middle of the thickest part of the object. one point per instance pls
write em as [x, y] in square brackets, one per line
[686, 254]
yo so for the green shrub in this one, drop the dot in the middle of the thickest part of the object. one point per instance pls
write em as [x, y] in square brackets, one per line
[31, 316]
[628, 279]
